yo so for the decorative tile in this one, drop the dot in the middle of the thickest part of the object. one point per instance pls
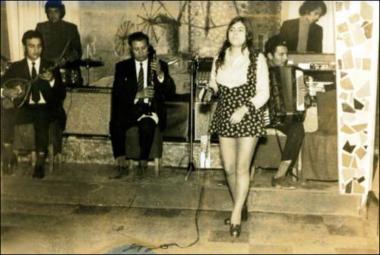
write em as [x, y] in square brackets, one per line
[359, 127]
[348, 108]
[347, 130]
[367, 27]
[348, 147]
[366, 11]
[366, 64]
[348, 173]
[346, 160]
[348, 188]
[343, 96]
[339, 6]
[346, 83]
[348, 62]
[354, 18]
[342, 28]
[361, 179]
[357, 187]
[361, 152]
[354, 164]
[358, 105]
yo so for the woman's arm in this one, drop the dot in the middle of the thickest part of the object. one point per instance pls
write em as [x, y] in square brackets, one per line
[212, 82]
[262, 83]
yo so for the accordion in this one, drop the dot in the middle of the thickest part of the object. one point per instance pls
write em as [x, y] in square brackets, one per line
[287, 96]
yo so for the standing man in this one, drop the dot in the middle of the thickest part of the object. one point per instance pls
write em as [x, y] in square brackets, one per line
[61, 37]
[304, 34]
[46, 90]
[277, 53]
[141, 85]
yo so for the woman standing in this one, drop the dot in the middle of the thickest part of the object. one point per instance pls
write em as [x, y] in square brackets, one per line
[240, 78]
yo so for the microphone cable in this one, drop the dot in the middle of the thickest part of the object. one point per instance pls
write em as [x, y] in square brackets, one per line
[196, 218]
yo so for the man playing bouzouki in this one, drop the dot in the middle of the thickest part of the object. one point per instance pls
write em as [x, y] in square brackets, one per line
[37, 85]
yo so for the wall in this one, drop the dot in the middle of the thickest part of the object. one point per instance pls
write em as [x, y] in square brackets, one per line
[357, 41]
[105, 25]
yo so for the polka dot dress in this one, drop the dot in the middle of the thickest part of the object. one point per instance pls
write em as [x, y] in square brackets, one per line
[232, 98]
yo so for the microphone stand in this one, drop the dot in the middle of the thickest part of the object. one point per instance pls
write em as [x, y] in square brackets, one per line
[193, 72]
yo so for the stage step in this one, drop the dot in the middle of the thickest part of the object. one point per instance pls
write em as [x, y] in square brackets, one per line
[98, 150]
[83, 184]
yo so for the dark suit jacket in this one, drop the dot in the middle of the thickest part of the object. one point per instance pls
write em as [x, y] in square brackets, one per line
[289, 32]
[123, 108]
[56, 35]
[52, 95]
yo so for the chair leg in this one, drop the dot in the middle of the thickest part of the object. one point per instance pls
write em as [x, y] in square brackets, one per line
[157, 165]
[253, 170]
[33, 158]
[130, 164]
[51, 157]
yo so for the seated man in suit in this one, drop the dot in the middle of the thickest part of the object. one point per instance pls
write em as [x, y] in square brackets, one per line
[140, 87]
[46, 90]
[303, 34]
[277, 55]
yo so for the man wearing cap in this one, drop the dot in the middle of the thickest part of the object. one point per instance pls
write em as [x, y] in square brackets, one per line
[61, 38]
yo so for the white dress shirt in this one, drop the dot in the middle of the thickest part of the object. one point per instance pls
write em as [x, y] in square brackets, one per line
[154, 115]
[234, 72]
[37, 64]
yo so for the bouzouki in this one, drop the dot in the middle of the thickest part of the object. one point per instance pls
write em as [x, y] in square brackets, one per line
[17, 90]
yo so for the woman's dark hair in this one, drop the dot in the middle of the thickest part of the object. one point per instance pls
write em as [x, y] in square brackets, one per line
[247, 44]
[309, 6]
[56, 4]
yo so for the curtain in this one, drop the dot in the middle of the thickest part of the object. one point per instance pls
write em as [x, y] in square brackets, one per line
[24, 15]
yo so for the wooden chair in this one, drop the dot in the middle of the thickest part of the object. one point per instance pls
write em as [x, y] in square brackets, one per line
[24, 143]
[133, 149]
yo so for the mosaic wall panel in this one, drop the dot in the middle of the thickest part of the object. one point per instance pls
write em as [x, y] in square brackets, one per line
[357, 58]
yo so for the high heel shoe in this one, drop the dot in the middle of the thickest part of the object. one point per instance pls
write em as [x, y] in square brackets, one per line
[235, 230]
[244, 215]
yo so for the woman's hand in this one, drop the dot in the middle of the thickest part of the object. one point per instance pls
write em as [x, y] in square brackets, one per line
[238, 115]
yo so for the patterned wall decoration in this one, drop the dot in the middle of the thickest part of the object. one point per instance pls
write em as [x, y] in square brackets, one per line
[178, 30]
[357, 41]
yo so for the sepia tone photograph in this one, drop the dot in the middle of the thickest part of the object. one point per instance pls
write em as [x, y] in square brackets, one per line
[189, 127]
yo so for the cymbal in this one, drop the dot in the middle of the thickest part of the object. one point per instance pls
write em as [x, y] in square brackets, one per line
[87, 62]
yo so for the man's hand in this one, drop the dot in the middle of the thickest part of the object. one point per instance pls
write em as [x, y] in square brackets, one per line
[47, 75]
[147, 92]
[12, 93]
[156, 66]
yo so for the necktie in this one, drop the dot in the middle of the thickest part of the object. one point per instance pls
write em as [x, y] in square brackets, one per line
[35, 91]
[140, 78]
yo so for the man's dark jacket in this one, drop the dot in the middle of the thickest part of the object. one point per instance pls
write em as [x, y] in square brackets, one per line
[289, 32]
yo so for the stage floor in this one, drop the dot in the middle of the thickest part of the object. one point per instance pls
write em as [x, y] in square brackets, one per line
[78, 209]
